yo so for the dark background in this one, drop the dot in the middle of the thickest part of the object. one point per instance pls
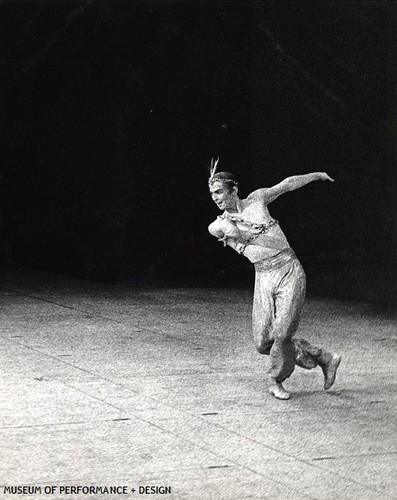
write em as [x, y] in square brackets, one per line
[111, 110]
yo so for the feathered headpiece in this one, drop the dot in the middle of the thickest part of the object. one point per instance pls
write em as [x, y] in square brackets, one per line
[213, 165]
[223, 179]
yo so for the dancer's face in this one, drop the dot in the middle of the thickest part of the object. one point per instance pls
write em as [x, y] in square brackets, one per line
[224, 199]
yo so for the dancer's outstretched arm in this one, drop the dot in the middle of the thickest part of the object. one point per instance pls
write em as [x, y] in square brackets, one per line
[289, 184]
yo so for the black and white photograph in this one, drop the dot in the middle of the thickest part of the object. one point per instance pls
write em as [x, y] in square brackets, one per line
[198, 250]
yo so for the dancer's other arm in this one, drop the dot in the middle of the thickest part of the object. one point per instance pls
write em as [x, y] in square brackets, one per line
[289, 184]
[223, 230]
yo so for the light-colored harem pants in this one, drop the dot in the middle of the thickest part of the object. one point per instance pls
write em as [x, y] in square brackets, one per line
[280, 287]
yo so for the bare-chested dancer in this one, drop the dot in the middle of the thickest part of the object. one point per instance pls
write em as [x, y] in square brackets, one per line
[280, 283]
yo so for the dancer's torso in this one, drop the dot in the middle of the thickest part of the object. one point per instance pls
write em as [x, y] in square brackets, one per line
[260, 234]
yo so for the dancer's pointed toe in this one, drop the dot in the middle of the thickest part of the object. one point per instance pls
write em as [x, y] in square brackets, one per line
[278, 391]
[330, 368]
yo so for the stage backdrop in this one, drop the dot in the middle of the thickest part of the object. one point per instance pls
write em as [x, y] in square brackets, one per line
[111, 110]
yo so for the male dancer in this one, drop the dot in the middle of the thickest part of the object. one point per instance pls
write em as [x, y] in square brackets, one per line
[280, 283]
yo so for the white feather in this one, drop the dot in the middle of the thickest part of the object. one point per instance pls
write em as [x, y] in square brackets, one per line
[214, 164]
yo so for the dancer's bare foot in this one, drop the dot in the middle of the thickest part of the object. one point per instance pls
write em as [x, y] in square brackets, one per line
[329, 368]
[277, 390]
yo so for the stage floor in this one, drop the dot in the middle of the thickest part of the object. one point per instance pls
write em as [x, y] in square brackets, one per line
[106, 385]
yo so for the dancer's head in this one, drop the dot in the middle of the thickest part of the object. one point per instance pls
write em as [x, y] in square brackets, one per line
[223, 188]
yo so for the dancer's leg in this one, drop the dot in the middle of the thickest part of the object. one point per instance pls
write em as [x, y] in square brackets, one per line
[278, 300]
[289, 299]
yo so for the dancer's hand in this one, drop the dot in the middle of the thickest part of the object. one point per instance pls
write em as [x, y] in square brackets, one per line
[230, 232]
[323, 176]
[224, 240]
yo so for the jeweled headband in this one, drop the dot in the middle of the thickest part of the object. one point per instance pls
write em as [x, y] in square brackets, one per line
[212, 178]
